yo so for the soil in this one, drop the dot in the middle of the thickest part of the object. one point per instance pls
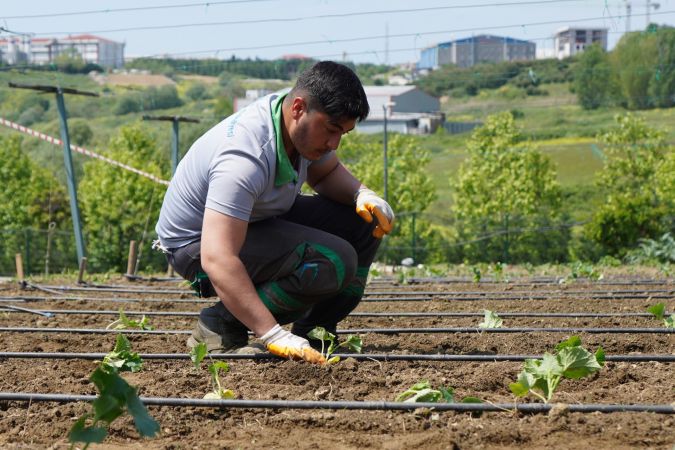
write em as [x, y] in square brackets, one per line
[46, 425]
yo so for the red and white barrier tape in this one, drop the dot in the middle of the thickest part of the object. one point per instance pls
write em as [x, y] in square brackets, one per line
[84, 151]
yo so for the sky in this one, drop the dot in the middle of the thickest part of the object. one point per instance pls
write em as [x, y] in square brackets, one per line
[375, 31]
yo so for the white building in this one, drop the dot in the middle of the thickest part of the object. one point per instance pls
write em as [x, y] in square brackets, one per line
[408, 110]
[92, 49]
[569, 41]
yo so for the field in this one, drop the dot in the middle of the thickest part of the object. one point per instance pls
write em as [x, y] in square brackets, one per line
[428, 324]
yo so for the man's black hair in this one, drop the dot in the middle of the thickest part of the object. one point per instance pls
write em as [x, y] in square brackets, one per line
[333, 89]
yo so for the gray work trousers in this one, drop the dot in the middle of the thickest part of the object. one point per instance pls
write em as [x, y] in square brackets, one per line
[309, 266]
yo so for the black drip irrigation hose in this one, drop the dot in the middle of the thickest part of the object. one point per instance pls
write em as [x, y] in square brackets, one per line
[368, 330]
[90, 312]
[357, 356]
[524, 282]
[554, 292]
[446, 297]
[352, 405]
[58, 289]
[525, 296]
[144, 290]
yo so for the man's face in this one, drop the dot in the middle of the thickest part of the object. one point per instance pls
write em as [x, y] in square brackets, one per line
[316, 134]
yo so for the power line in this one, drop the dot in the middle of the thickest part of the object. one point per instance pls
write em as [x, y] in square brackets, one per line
[311, 17]
[400, 35]
[138, 8]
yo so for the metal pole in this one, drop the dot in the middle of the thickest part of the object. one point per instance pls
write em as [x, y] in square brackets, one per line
[386, 174]
[70, 176]
[414, 239]
[174, 147]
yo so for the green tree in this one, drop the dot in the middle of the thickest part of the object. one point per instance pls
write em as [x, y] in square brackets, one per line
[118, 205]
[31, 198]
[410, 189]
[635, 205]
[662, 85]
[632, 62]
[644, 67]
[591, 78]
[507, 202]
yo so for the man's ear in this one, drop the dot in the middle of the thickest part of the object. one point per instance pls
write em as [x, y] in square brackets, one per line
[298, 107]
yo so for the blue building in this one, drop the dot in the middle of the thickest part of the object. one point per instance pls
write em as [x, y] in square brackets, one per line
[476, 49]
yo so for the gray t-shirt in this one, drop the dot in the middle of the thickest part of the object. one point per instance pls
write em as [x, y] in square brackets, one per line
[232, 169]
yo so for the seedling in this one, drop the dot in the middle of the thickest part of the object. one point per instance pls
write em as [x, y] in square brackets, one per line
[115, 397]
[197, 355]
[659, 311]
[423, 392]
[476, 274]
[121, 358]
[498, 269]
[124, 323]
[491, 320]
[542, 376]
[582, 270]
[218, 392]
[328, 344]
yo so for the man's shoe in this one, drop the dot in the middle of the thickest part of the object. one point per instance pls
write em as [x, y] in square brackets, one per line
[219, 330]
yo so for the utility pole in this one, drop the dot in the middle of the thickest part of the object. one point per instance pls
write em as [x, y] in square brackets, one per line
[385, 163]
[67, 156]
[386, 109]
[651, 5]
[175, 120]
[628, 13]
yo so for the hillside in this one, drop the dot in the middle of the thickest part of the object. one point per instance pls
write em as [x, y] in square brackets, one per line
[552, 121]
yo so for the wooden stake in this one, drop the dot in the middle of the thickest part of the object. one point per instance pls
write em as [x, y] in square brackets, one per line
[83, 267]
[131, 262]
[19, 267]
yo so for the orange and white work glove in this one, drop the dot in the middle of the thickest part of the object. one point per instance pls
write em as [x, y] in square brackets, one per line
[369, 204]
[287, 345]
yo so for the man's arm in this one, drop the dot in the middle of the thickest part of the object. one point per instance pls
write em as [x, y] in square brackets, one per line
[330, 178]
[222, 239]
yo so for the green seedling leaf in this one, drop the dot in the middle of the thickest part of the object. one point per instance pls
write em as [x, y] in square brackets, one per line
[353, 343]
[87, 434]
[448, 394]
[222, 394]
[600, 356]
[321, 334]
[577, 362]
[198, 353]
[115, 396]
[420, 392]
[523, 384]
[124, 323]
[669, 322]
[573, 341]
[658, 310]
[329, 343]
[542, 376]
[476, 274]
[218, 390]
[491, 320]
[145, 424]
[121, 358]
